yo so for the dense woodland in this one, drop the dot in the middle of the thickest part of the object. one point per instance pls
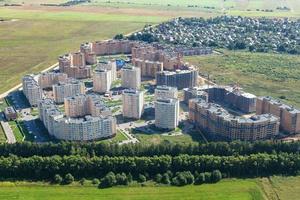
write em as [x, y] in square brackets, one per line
[176, 164]
[253, 34]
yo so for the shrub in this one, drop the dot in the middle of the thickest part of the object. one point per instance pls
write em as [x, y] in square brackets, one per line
[207, 177]
[57, 179]
[108, 181]
[141, 178]
[95, 181]
[68, 179]
[82, 181]
[166, 179]
[200, 179]
[121, 179]
[183, 178]
[158, 178]
[216, 176]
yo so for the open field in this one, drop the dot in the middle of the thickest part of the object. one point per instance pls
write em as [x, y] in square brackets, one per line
[259, 73]
[36, 38]
[227, 189]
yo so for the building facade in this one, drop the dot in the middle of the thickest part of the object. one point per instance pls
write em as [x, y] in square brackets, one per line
[92, 126]
[163, 91]
[180, 78]
[131, 77]
[148, 68]
[47, 79]
[215, 120]
[69, 88]
[133, 104]
[289, 116]
[166, 113]
[102, 80]
[31, 90]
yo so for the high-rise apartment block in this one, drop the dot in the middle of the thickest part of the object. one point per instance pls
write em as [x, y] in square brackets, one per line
[180, 79]
[288, 115]
[131, 77]
[74, 65]
[217, 121]
[111, 66]
[148, 68]
[31, 90]
[164, 91]
[102, 80]
[91, 122]
[133, 103]
[166, 113]
[69, 88]
[47, 79]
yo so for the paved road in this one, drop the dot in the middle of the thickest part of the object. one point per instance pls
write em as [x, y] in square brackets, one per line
[8, 131]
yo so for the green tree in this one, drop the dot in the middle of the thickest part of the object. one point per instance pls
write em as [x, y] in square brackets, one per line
[68, 179]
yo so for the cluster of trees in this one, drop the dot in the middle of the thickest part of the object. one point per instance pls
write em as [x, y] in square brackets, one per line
[253, 34]
[28, 149]
[45, 168]
[168, 178]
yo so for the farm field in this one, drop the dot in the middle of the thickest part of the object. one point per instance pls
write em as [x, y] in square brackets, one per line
[227, 189]
[36, 38]
[262, 74]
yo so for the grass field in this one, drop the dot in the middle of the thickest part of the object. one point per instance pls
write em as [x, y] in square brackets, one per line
[35, 39]
[228, 189]
[259, 73]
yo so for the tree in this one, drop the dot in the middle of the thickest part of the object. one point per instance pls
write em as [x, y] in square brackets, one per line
[119, 37]
[57, 179]
[158, 178]
[166, 179]
[200, 179]
[142, 178]
[108, 181]
[207, 177]
[216, 176]
[68, 179]
[121, 179]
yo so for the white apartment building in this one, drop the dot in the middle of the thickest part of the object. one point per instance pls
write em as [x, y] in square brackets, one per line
[166, 113]
[31, 90]
[163, 91]
[133, 103]
[69, 88]
[102, 80]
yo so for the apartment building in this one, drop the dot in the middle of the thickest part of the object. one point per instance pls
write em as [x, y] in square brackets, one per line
[47, 79]
[31, 90]
[166, 113]
[69, 88]
[131, 77]
[133, 103]
[163, 91]
[102, 80]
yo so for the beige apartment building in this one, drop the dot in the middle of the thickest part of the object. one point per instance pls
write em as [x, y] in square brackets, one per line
[102, 80]
[288, 115]
[69, 88]
[47, 79]
[148, 68]
[131, 77]
[163, 91]
[133, 104]
[31, 90]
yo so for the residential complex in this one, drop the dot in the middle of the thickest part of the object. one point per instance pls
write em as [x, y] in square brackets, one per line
[110, 66]
[131, 77]
[133, 103]
[47, 79]
[289, 116]
[31, 90]
[215, 120]
[69, 88]
[166, 113]
[194, 93]
[102, 80]
[148, 68]
[163, 91]
[74, 65]
[81, 122]
[180, 78]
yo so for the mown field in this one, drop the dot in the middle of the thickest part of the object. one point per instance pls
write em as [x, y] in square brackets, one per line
[259, 73]
[228, 189]
[236, 7]
[31, 40]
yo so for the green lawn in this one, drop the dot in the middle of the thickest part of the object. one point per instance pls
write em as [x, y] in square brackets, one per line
[16, 130]
[227, 189]
[274, 75]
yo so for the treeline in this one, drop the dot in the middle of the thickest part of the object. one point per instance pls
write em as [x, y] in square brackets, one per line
[45, 168]
[27, 149]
